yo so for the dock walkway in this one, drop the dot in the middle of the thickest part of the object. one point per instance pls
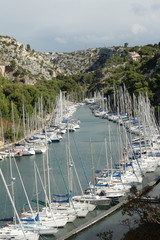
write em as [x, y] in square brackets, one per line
[107, 212]
[93, 220]
[150, 200]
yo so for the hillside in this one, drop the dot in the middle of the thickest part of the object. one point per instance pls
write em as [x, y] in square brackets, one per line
[31, 78]
[102, 69]
[28, 66]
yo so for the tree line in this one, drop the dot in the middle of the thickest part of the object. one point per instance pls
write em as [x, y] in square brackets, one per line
[138, 76]
[17, 99]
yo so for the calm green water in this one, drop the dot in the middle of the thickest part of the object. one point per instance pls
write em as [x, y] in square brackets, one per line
[92, 133]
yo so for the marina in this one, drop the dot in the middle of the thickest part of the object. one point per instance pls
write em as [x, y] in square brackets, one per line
[93, 221]
[89, 155]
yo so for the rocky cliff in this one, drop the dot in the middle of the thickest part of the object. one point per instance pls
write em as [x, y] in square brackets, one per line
[28, 66]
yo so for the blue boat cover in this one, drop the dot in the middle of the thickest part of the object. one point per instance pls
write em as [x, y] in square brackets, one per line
[61, 201]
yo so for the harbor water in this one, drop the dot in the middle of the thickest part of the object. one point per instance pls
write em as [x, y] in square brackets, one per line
[86, 144]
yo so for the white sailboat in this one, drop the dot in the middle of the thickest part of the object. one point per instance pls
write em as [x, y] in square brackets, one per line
[12, 231]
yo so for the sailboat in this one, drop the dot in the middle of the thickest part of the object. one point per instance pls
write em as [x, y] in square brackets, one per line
[33, 224]
[69, 205]
[45, 216]
[12, 231]
[91, 196]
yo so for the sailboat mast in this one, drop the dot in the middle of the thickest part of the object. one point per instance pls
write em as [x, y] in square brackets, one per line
[2, 130]
[110, 151]
[48, 169]
[36, 185]
[92, 162]
[24, 189]
[12, 184]
[24, 125]
[12, 202]
[107, 163]
[44, 175]
[13, 122]
[69, 164]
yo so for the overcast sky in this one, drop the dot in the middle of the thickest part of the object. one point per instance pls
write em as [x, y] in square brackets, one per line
[69, 25]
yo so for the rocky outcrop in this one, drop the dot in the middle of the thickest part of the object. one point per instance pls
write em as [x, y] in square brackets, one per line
[29, 66]
[24, 64]
[2, 70]
[82, 61]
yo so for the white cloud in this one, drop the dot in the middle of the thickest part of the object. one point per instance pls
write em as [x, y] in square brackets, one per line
[138, 29]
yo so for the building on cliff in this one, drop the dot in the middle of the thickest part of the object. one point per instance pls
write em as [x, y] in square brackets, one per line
[134, 56]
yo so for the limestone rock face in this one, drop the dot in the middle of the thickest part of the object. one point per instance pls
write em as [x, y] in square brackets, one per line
[2, 70]
[29, 66]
